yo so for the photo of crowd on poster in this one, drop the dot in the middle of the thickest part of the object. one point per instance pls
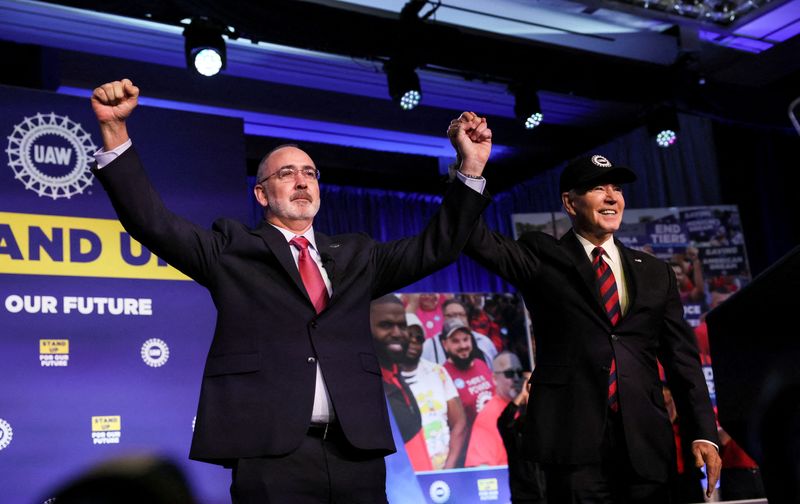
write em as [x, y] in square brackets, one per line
[451, 363]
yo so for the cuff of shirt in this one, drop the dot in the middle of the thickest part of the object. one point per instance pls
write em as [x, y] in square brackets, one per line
[104, 158]
[706, 441]
[475, 183]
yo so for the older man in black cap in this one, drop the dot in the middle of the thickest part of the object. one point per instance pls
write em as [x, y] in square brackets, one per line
[603, 314]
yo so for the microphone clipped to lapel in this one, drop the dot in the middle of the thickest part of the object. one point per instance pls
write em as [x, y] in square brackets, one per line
[328, 262]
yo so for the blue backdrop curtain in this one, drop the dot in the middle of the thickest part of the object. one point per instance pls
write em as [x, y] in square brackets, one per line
[685, 174]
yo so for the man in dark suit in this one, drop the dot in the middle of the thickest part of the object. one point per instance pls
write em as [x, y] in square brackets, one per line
[292, 396]
[603, 314]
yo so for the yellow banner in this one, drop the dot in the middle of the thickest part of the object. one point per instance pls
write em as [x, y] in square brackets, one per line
[106, 423]
[33, 244]
[53, 346]
[487, 484]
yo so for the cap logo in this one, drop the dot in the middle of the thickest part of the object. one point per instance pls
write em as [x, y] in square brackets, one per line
[599, 160]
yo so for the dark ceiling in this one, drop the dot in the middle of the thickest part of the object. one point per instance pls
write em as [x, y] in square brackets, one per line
[738, 87]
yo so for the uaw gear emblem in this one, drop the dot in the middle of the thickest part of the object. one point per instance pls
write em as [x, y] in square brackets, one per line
[155, 352]
[601, 161]
[6, 434]
[50, 155]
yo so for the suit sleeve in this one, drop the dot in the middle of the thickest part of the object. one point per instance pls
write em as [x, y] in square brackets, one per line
[501, 255]
[142, 213]
[401, 262]
[679, 355]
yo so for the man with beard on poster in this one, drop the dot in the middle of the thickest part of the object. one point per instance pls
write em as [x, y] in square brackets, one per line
[470, 374]
[389, 333]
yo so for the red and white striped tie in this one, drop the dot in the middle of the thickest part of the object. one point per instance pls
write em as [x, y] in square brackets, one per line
[610, 298]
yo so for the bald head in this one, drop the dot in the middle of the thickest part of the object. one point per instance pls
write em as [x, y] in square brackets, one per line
[288, 189]
[507, 363]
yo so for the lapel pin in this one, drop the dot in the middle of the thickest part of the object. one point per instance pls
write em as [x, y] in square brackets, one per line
[637, 260]
[335, 245]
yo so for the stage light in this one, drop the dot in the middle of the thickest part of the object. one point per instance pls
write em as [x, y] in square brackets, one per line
[205, 47]
[526, 107]
[662, 124]
[666, 137]
[403, 83]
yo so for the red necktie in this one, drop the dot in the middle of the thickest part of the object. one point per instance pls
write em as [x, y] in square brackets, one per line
[309, 272]
[608, 294]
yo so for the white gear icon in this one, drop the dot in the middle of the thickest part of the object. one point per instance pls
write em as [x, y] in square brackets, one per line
[22, 141]
[6, 434]
[155, 352]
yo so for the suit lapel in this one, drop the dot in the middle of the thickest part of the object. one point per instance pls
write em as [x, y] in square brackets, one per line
[631, 273]
[583, 265]
[329, 251]
[280, 248]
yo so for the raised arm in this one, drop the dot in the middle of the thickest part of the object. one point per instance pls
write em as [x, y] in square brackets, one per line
[472, 139]
[401, 262]
[181, 243]
[113, 103]
[502, 255]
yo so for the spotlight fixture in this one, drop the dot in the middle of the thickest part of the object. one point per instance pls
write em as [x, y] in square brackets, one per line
[662, 124]
[205, 47]
[666, 137]
[526, 107]
[403, 83]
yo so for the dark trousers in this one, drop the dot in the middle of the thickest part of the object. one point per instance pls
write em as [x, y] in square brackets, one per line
[328, 470]
[612, 481]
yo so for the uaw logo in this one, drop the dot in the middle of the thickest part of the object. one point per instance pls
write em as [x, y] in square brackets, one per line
[6, 433]
[488, 489]
[54, 352]
[439, 491]
[106, 429]
[50, 154]
[155, 352]
[601, 161]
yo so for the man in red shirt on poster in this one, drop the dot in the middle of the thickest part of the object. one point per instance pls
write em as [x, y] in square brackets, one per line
[470, 374]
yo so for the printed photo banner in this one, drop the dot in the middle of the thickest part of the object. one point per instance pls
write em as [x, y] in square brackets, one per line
[447, 389]
[102, 343]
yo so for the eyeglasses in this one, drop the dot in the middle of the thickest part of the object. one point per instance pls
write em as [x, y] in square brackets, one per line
[288, 173]
[511, 373]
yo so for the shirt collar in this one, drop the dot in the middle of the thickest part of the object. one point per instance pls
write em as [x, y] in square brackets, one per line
[289, 235]
[612, 252]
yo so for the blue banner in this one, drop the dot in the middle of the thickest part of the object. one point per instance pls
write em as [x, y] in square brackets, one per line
[102, 343]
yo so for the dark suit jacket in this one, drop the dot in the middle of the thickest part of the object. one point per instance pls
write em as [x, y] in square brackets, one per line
[258, 384]
[575, 343]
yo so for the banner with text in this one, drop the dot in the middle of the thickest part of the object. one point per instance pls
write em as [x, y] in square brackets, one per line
[102, 342]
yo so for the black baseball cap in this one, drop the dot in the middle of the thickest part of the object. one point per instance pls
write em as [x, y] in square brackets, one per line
[586, 171]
